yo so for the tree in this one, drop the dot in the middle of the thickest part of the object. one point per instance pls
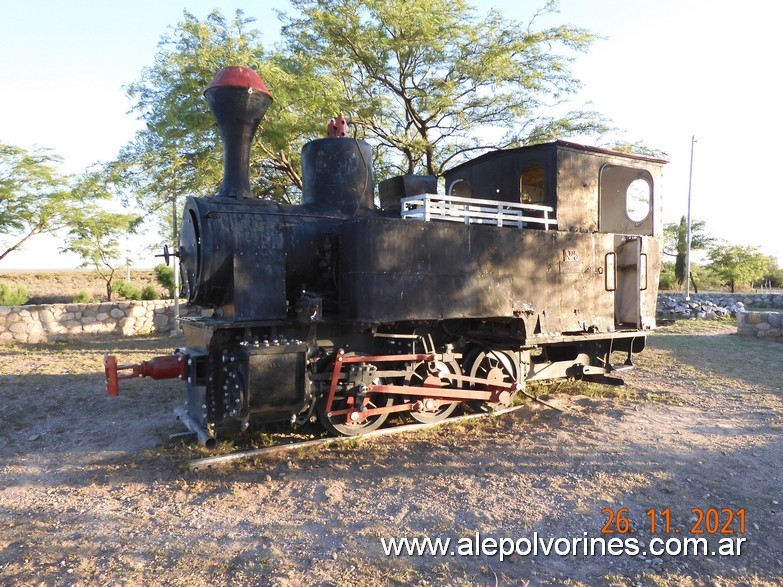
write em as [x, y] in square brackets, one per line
[175, 152]
[178, 152]
[736, 264]
[666, 279]
[95, 237]
[637, 148]
[773, 277]
[33, 196]
[429, 80]
[423, 80]
[675, 243]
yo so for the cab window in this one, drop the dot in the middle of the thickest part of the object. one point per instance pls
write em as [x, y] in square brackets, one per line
[625, 200]
[531, 185]
[637, 200]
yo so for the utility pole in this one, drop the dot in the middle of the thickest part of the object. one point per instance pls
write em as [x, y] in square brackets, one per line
[127, 258]
[688, 232]
[175, 265]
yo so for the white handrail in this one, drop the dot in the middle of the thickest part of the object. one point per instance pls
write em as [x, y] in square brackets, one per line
[476, 211]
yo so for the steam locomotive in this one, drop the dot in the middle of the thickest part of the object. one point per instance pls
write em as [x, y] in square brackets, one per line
[537, 263]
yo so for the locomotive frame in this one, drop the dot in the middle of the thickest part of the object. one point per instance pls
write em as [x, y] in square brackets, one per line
[539, 262]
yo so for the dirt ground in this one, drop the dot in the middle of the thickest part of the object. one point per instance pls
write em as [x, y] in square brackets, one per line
[93, 492]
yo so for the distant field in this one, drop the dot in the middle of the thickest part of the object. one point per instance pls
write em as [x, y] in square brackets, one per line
[51, 287]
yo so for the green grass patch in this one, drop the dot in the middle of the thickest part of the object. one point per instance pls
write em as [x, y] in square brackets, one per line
[697, 326]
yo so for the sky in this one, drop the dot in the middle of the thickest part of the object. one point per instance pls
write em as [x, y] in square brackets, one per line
[662, 72]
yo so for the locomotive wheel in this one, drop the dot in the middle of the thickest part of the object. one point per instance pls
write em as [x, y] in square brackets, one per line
[421, 372]
[496, 366]
[338, 426]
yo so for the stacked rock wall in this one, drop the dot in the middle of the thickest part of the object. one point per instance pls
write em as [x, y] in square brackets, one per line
[57, 322]
[715, 305]
[760, 324]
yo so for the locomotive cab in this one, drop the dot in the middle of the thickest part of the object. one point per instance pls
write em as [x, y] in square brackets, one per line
[594, 191]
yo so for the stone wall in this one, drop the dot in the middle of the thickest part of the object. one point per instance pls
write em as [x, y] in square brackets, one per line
[57, 322]
[749, 300]
[760, 324]
[766, 324]
[714, 305]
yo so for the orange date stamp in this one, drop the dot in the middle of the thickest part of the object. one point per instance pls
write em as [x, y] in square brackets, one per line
[716, 521]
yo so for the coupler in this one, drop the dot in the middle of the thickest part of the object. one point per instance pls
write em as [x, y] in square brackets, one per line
[164, 367]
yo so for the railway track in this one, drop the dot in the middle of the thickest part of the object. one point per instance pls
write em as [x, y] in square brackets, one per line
[220, 460]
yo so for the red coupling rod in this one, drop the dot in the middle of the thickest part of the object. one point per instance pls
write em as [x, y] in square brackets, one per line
[165, 367]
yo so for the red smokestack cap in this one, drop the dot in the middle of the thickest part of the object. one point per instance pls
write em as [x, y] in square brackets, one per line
[237, 76]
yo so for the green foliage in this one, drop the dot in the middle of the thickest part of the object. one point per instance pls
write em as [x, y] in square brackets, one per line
[774, 275]
[148, 292]
[125, 289]
[178, 151]
[675, 243]
[738, 265]
[83, 297]
[418, 78]
[164, 275]
[36, 199]
[705, 278]
[637, 148]
[13, 297]
[422, 77]
[667, 280]
[32, 196]
[130, 292]
[174, 152]
[95, 237]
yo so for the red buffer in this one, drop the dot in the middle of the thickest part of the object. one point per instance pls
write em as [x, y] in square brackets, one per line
[164, 367]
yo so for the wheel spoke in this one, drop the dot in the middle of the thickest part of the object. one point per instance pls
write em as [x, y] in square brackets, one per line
[339, 424]
[420, 373]
[496, 366]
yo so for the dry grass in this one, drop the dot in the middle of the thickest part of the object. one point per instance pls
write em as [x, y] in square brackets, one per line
[714, 356]
[51, 287]
[697, 326]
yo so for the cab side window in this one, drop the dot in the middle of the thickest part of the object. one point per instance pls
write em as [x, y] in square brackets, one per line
[531, 184]
[625, 200]
[460, 188]
[637, 200]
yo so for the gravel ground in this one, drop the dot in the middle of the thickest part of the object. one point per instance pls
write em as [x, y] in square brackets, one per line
[92, 491]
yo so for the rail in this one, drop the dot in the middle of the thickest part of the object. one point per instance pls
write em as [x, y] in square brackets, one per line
[475, 211]
[208, 462]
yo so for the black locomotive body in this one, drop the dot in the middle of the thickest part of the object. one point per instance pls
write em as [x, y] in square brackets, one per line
[537, 263]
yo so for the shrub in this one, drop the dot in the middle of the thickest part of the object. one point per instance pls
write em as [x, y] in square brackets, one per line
[774, 277]
[83, 297]
[149, 292]
[667, 280]
[126, 290]
[13, 297]
[164, 275]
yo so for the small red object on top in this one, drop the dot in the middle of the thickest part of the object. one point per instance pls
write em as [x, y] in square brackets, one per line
[337, 127]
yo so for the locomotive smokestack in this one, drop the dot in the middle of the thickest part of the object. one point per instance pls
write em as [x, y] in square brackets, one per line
[238, 99]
